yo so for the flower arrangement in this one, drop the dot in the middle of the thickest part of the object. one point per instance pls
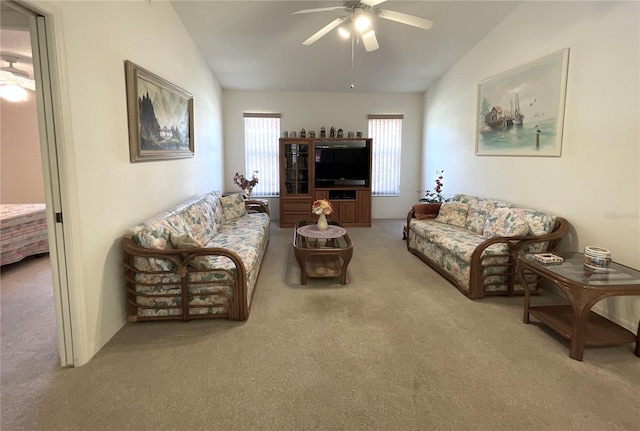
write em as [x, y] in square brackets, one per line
[244, 183]
[435, 196]
[322, 206]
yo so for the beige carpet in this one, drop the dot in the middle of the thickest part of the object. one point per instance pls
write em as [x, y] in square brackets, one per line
[397, 348]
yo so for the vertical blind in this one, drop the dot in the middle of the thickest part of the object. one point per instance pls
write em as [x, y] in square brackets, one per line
[261, 134]
[386, 133]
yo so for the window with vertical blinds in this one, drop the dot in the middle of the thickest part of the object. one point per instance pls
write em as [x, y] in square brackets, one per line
[261, 140]
[386, 133]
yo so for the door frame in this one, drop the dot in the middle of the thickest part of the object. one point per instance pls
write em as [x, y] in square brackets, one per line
[54, 128]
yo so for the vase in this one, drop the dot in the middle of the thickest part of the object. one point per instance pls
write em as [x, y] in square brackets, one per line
[322, 222]
[248, 195]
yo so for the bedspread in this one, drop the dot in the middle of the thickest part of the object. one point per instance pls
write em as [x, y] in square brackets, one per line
[23, 230]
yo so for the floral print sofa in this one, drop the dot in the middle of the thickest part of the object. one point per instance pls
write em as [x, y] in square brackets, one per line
[474, 242]
[198, 260]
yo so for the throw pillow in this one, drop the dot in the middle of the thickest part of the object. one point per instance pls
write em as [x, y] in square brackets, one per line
[426, 211]
[478, 212]
[453, 213]
[233, 206]
[188, 241]
[185, 241]
[155, 236]
[506, 222]
[540, 223]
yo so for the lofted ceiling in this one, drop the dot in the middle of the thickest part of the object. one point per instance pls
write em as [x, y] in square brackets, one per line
[257, 45]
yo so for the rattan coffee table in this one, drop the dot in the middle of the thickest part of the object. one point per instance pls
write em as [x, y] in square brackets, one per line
[322, 254]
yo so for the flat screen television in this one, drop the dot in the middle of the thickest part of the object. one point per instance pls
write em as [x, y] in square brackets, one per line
[342, 165]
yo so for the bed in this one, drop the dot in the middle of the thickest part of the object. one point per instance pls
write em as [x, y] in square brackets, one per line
[23, 230]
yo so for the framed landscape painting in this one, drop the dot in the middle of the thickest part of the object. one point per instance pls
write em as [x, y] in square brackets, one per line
[521, 112]
[160, 117]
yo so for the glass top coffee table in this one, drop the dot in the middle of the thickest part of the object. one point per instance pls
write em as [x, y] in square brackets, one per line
[322, 254]
[584, 288]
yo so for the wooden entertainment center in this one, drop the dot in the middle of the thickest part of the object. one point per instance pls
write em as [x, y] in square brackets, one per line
[336, 169]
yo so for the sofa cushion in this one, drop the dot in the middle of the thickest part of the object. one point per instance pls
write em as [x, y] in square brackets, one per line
[457, 241]
[189, 241]
[213, 199]
[154, 235]
[479, 210]
[245, 236]
[233, 207]
[506, 222]
[185, 241]
[454, 213]
[201, 220]
[540, 223]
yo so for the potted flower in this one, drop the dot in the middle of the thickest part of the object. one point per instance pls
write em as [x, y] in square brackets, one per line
[245, 184]
[322, 208]
[435, 196]
[430, 204]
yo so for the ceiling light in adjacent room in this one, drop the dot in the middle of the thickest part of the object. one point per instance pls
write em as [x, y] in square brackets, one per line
[13, 93]
[14, 82]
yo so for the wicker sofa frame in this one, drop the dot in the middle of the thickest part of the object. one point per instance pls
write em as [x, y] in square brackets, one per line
[235, 279]
[515, 244]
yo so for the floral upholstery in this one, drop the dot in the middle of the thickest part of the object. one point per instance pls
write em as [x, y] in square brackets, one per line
[479, 209]
[453, 213]
[233, 206]
[210, 278]
[450, 247]
[505, 222]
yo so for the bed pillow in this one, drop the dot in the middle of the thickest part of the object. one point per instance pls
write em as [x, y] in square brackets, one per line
[233, 206]
[506, 222]
[453, 213]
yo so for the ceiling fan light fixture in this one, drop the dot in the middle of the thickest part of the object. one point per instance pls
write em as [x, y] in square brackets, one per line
[368, 34]
[362, 22]
[344, 32]
[362, 13]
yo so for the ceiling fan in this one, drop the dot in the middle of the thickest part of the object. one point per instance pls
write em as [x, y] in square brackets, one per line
[13, 81]
[360, 13]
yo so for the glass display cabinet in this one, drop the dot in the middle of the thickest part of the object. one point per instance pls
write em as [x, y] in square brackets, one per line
[296, 168]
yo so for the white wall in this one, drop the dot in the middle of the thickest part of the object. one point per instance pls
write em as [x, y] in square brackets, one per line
[108, 194]
[595, 184]
[311, 111]
[21, 168]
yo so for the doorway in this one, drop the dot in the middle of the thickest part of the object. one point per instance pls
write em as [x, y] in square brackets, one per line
[24, 34]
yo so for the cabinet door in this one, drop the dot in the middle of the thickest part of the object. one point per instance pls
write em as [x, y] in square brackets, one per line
[348, 212]
[295, 168]
[364, 206]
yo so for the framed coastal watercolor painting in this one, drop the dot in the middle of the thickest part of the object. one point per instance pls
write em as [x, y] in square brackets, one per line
[521, 112]
[160, 116]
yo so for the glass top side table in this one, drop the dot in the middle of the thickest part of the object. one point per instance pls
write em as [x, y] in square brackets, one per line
[584, 288]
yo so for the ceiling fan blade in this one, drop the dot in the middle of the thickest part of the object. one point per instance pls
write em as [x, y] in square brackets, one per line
[404, 18]
[372, 3]
[324, 30]
[370, 41]
[318, 9]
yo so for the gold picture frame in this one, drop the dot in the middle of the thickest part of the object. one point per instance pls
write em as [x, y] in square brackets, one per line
[160, 117]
